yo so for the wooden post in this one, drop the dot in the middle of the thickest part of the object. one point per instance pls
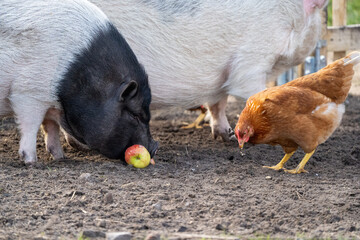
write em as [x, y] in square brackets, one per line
[339, 13]
[339, 19]
[324, 20]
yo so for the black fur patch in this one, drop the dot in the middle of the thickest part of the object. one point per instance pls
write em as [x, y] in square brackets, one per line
[89, 95]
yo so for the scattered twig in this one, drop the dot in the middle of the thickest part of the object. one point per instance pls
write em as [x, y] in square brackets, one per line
[107, 220]
[72, 195]
[127, 184]
[84, 211]
[299, 195]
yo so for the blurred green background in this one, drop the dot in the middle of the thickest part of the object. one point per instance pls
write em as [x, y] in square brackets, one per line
[353, 12]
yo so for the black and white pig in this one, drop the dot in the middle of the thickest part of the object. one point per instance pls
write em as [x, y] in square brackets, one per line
[63, 64]
[201, 51]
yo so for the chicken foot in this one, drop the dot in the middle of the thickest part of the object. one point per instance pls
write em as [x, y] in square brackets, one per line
[197, 122]
[280, 165]
[300, 167]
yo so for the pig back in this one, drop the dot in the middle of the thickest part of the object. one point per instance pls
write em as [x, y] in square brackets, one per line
[199, 51]
[39, 40]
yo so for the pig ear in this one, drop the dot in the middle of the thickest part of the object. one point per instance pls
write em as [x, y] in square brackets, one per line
[311, 5]
[128, 90]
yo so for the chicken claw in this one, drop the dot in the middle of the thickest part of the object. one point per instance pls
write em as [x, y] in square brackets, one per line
[296, 171]
[277, 167]
[280, 165]
[300, 167]
[197, 122]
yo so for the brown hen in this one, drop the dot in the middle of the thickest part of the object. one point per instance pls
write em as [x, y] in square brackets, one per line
[302, 113]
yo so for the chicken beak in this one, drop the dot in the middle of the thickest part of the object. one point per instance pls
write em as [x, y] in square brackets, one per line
[241, 143]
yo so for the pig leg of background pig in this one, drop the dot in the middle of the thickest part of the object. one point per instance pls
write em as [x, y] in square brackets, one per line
[29, 116]
[219, 123]
[51, 131]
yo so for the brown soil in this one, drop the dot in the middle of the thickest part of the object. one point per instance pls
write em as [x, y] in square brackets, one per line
[198, 186]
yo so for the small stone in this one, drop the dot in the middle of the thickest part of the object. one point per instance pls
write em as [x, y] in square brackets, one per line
[182, 229]
[108, 199]
[158, 206]
[268, 177]
[93, 234]
[192, 195]
[79, 224]
[85, 176]
[118, 236]
[143, 227]
[220, 227]
[153, 236]
[101, 223]
[73, 193]
[39, 238]
[164, 197]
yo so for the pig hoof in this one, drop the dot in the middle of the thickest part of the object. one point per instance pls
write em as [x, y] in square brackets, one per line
[56, 153]
[226, 135]
[232, 136]
[29, 161]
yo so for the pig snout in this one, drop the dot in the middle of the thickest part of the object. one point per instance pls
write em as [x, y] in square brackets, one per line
[143, 137]
[153, 147]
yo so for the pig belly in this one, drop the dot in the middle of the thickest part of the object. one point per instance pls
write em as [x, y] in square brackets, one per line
[186, 94]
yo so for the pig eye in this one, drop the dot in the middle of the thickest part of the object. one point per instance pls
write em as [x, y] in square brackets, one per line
[133, 116]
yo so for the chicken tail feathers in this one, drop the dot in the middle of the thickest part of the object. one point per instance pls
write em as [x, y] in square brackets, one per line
[334, 80]
[353, 58]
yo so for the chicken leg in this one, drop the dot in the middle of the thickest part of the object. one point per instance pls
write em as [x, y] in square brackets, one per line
[280, 165]
[300, 167]
[198, 120]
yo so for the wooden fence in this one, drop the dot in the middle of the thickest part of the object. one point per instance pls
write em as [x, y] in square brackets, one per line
[340, 37]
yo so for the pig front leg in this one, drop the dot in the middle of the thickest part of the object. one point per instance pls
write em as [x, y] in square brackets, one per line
[51, 130]
[29, 116]
[219, 123]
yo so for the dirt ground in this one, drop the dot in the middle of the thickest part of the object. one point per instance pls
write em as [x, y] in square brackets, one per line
[199, 186]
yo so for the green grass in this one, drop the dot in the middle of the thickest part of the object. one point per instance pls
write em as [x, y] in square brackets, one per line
[352, 9]
[81, 237]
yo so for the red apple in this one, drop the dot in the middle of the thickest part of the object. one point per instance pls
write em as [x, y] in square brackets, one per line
[138, 156]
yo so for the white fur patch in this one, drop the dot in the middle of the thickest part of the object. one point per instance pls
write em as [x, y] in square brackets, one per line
[197, 52]
[38, 41]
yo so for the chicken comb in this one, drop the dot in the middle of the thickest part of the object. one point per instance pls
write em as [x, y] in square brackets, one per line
[353, 58]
